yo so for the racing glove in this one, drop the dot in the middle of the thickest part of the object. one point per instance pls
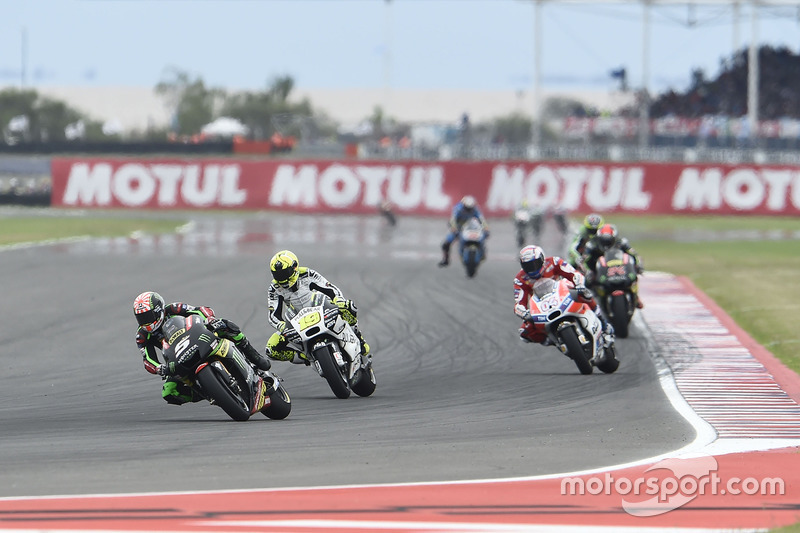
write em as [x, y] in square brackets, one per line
[280, 326]
[345, 305]
[347, 308]
[165, 370]
[583, 292]
[216, 324]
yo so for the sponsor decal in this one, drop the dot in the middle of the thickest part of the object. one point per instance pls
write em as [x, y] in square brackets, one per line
[344, 186]
[163, 185]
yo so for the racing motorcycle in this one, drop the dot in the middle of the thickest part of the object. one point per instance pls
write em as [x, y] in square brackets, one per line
[524, 219]
[472, 245]
[615, 285]
[316, 328]
[216, 369]
[571, 325]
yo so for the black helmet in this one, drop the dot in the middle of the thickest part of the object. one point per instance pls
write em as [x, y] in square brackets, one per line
[148, 308]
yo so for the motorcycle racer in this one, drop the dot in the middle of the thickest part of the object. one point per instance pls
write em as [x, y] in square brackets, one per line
[287, 278]
[608, 236]
[464, 210]
[536, 267]
[151, 313]
[591, 223]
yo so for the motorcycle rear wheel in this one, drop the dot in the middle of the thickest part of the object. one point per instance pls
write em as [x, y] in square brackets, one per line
[619, 315]
[332, 373]
[365, 384]
[575, 351]
[611, 364]
[280, 405]
[216, 386]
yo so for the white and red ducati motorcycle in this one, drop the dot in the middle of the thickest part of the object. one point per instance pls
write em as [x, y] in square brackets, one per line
[571, 325]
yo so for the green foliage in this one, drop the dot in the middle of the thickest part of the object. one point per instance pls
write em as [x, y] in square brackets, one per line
[47, 118]
[192, 102]
[269, 111]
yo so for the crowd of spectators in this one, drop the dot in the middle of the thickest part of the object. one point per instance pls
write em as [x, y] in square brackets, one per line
[779, 89]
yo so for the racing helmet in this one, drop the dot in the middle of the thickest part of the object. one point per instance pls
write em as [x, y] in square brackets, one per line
[285, 268]
[148, 308]
[468, 202]
[592, 223]
[607, 236]
[531, 259]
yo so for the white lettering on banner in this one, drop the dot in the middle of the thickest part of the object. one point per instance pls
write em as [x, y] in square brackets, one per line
[548, 185]
[742, 189]
[135, 185]
[86, 185]
[342, 186]
[294, 188]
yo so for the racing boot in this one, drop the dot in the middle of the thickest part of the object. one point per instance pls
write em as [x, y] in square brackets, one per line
[257, 360]
[364, 346]
[639, 303]
[608, 330]
[445, 256]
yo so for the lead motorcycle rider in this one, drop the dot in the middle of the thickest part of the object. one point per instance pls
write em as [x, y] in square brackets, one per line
[151, 313]
[536, 267]
[287, 278]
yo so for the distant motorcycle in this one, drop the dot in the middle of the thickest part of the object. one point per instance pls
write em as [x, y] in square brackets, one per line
[316, 328]
[525, 220]
[571, 325]
[472, 245]
[615, 284]
[216, 369]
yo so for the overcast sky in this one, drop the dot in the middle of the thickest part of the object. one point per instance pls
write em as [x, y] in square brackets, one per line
[403, 44]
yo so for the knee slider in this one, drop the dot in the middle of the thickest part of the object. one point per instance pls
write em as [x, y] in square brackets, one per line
[278, 348]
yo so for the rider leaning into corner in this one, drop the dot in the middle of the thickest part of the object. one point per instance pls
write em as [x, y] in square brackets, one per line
[536, 268]
[591, 223]
[464, 210]
[608, 236]
[287, 278]
[151, 313]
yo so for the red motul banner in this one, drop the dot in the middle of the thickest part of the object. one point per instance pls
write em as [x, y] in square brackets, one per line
[424, 188]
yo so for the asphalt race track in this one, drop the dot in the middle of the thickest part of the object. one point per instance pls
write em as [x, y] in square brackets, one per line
[459, 397]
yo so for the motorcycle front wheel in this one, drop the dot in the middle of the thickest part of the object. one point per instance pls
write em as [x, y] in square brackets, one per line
[332, 373]
[216, 386]
[575, 350]
[471, 262]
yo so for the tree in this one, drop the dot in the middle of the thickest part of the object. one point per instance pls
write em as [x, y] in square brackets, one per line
[270, 111]
[45, 119]
[192, 102]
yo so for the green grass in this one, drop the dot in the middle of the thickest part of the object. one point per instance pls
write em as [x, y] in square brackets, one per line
[15, 230]
[750, 266]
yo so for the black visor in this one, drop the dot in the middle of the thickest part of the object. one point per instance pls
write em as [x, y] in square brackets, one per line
[148, 317]
[533, 266]
[282, 274]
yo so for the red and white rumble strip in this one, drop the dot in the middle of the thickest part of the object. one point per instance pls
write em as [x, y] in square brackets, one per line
[720, 372]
